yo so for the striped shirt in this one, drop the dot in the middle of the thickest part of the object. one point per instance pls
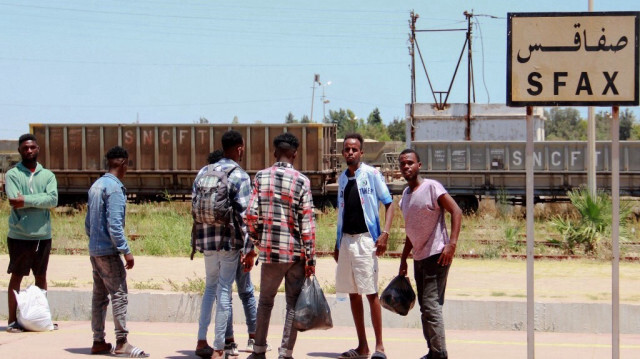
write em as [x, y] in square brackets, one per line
[214, 237]
[280, 215]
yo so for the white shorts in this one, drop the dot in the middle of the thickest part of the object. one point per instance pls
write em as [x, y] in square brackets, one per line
[357, 270]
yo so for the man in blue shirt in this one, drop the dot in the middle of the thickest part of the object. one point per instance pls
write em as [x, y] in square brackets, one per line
[359, 241]
[105, 227]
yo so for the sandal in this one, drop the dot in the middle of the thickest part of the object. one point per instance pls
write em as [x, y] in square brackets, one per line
[101, 348]
[129, 351]
[379, 355]
[14, 327]
[353, 354]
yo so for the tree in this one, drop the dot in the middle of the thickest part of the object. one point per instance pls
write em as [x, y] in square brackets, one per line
[203, 120]
[290, 118]
[396, 130]
[235, 120]
[346, 121]
[603, 125]
[564, 123]
[305, 119]
[627, 122]
[374, 118]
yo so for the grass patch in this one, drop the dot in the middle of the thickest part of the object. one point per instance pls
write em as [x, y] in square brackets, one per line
[195, 285]
[71, 283]
[498, 294]
[146, 285]
[164, 228]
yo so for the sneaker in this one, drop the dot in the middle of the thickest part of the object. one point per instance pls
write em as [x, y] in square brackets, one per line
[231, 349]
[252, 342]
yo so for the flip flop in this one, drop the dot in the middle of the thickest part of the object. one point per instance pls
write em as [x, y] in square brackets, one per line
[14, 327]
[379, 355]
[353, 354]
[129, 351]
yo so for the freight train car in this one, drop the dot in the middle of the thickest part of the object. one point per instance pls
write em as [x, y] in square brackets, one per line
[165, 158]
[470, 170]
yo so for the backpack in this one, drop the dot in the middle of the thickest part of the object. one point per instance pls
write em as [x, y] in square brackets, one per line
[211, 203]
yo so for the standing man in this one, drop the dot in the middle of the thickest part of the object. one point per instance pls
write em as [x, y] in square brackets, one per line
[359, 241]
[280, 221]
[245, 292]
[32, 192]
[222, 245]
[424, 203]
[104, 224]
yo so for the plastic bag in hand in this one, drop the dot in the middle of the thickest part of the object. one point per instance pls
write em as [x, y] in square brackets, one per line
[312, 310]
[398, 297]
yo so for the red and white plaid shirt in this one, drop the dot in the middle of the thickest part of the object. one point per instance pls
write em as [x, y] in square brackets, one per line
[279, 216]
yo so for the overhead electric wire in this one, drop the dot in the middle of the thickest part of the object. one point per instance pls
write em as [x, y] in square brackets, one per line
[484, 82]
[156, 105]
[199, 65]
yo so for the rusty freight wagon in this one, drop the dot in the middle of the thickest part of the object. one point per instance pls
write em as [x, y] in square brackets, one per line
[165, 158]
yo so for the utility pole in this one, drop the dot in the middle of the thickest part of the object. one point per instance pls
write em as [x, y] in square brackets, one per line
[467, 131]
[412, 39]
[316, 78]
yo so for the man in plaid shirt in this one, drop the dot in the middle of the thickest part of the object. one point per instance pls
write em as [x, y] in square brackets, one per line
[280, 222]
[222, 247]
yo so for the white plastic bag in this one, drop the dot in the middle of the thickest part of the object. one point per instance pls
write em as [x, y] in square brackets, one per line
[33, 309]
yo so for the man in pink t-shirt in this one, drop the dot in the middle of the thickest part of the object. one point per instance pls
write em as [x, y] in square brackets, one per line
[423, 205]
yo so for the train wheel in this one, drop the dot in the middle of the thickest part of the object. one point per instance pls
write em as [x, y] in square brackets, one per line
[468, 203]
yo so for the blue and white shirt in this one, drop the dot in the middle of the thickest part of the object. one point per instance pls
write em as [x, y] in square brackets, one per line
[371, 188]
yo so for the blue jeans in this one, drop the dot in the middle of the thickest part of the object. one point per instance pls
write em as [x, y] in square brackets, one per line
[220, 267]
[245, 292]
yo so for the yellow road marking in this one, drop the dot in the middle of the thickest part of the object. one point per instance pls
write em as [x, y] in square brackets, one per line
[396, 339]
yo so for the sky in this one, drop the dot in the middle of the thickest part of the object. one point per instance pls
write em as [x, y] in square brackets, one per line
[172, 61]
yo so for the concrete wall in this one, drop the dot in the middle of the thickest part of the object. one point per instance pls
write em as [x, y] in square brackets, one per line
[459, 314]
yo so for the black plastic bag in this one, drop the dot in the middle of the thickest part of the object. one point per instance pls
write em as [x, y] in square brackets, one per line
[312, 310]
[398, 297]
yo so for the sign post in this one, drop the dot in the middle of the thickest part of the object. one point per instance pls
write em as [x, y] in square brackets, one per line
[574, 59]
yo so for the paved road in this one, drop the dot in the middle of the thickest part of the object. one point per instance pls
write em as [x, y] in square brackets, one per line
[177, 340]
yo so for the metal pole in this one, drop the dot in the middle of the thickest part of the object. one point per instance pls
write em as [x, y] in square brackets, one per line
[313, 94]
[467, 132]
[530, 237]
[615, 233]
[414, 18]
[591, 143]
[324, 112]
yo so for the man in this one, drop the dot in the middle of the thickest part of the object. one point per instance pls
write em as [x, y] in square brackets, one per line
[359, 241]
[424, 203]
[245, 292]
[222, 246]
[32, 192]
[281, 224]
[104, 224]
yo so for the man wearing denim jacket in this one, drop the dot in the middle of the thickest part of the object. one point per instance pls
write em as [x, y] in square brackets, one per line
[104, 225]
[359, 241]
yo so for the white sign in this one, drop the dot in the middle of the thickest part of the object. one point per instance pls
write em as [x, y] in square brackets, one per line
[572, 59]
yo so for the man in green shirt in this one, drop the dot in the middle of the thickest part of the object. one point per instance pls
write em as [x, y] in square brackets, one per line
[32, 192]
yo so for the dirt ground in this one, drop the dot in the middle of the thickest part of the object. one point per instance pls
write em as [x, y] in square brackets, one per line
[555, 281]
